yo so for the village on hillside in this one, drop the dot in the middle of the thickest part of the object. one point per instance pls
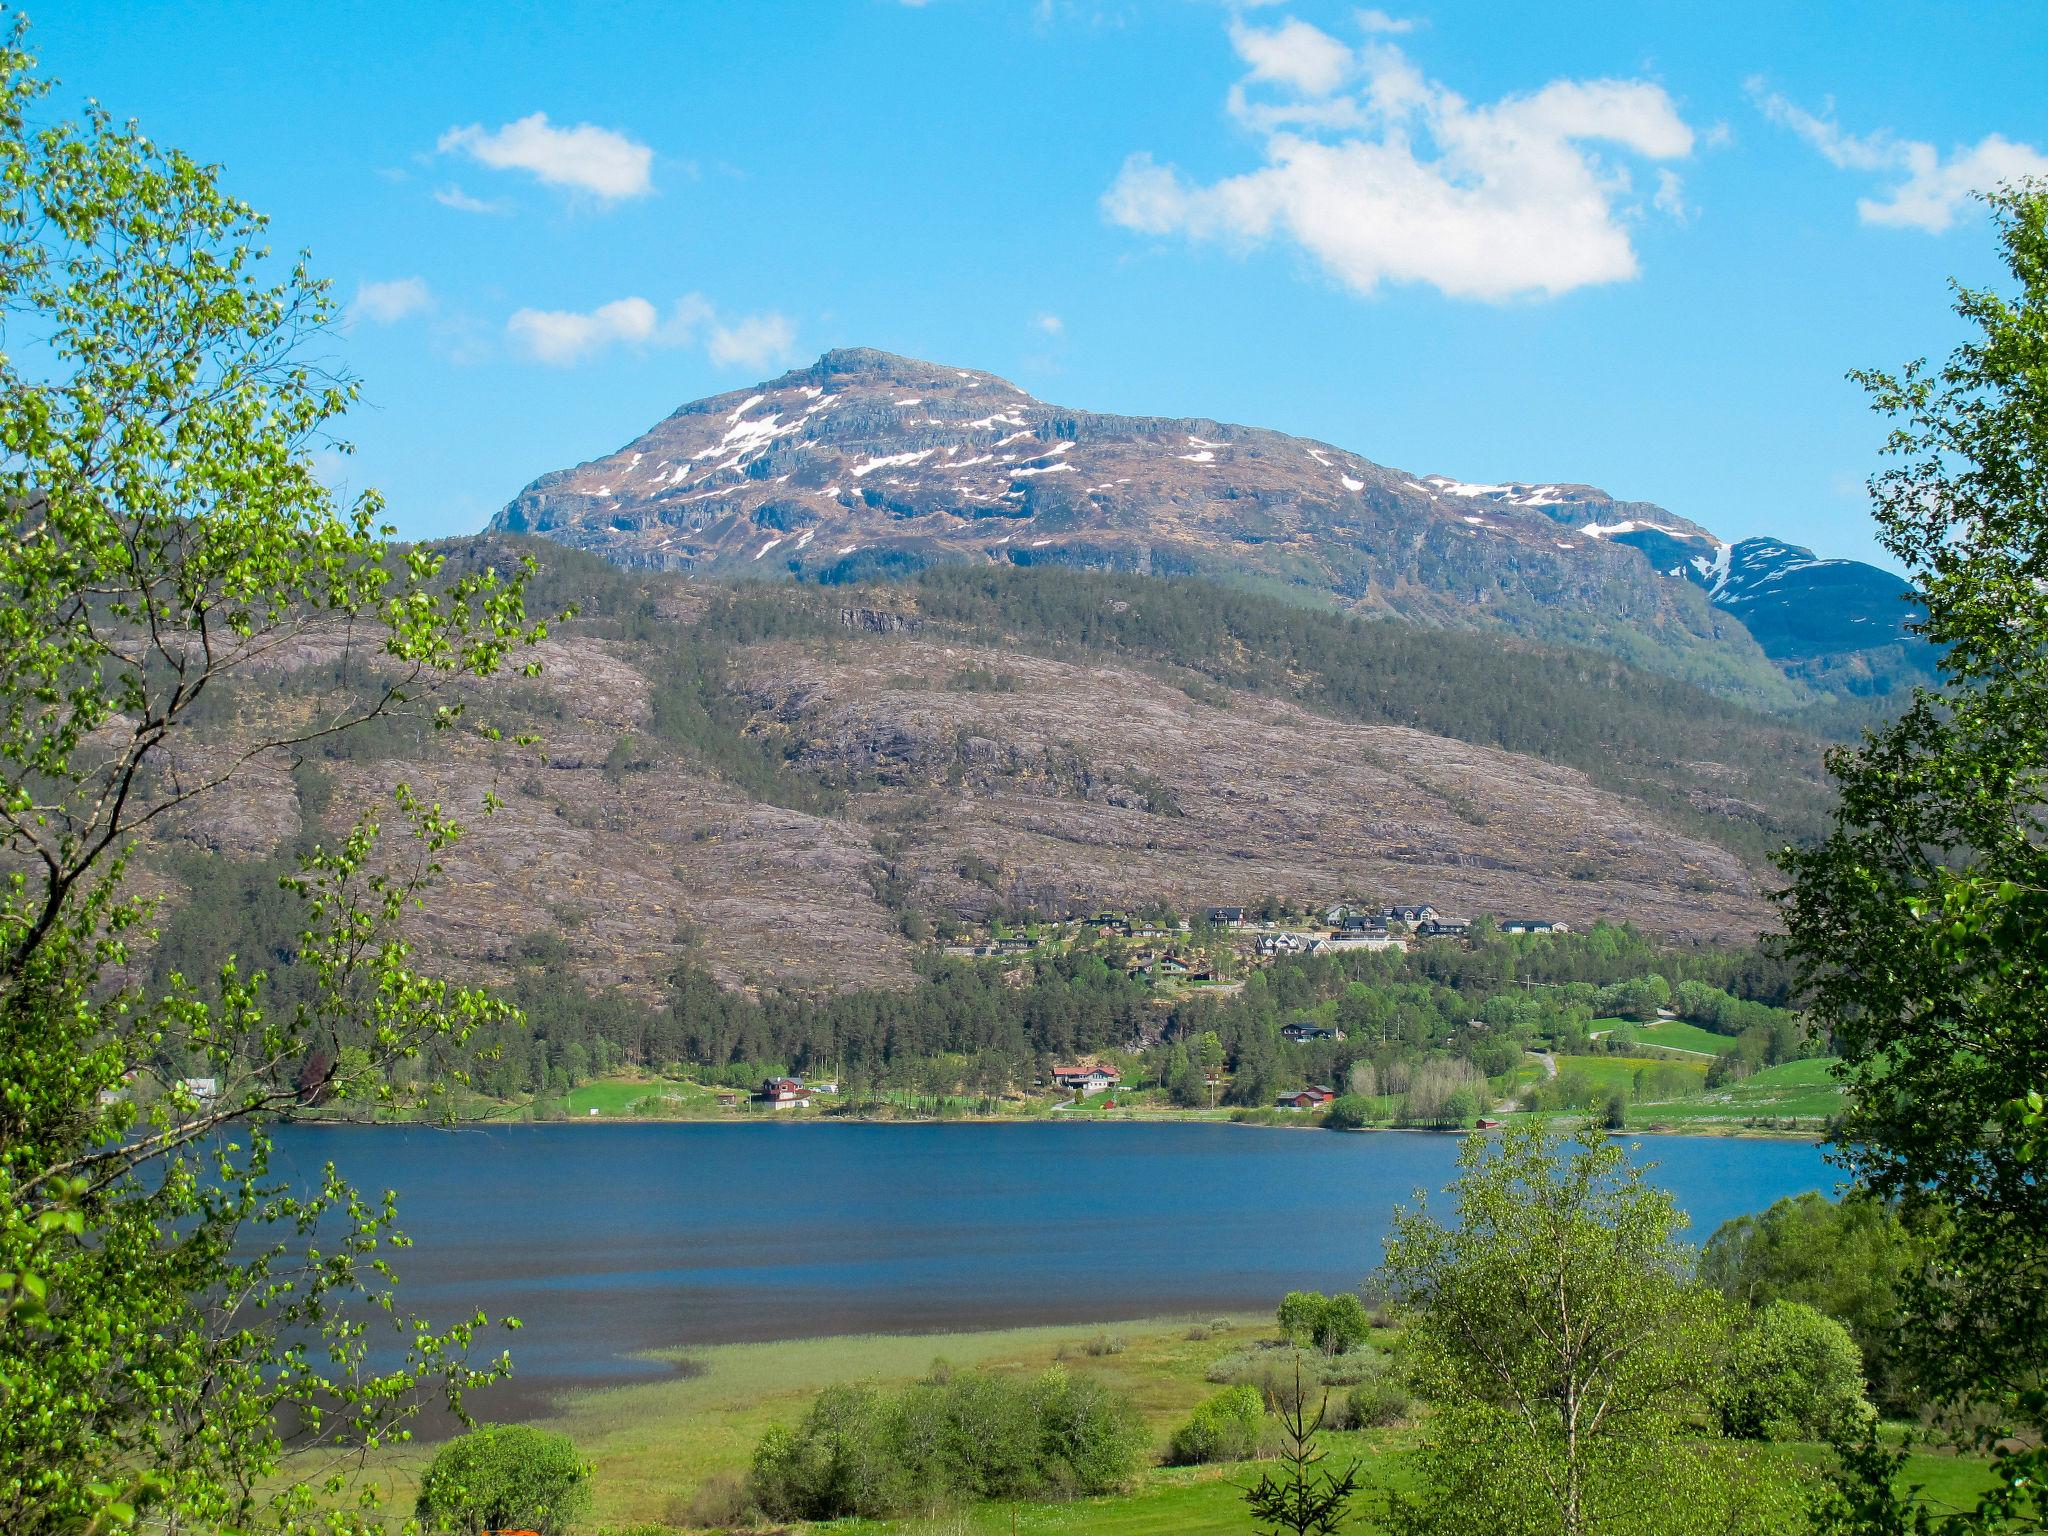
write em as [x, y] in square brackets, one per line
[1225, 942]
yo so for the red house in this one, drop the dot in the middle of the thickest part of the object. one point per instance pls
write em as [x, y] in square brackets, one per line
[1306, 1098]
[783, 1093]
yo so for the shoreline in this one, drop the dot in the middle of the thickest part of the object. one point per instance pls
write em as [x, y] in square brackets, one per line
[1706, 1131]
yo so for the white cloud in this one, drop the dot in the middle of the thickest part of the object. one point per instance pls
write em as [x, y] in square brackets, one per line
[566, 337]
[1927, 188]
[1293, 54]
[1380, 21]
[586, 158]
[389, 302]
[1049, 323]
[754, 341]
[452, 196]
[1383, 175]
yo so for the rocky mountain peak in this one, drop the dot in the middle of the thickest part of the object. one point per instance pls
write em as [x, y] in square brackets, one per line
[867, 464]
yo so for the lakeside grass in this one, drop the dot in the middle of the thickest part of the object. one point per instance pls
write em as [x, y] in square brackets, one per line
[1803, 1091]
[653, 1443]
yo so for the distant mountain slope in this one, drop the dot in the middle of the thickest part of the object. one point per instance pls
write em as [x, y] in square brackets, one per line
[866, 464]
[783, 784]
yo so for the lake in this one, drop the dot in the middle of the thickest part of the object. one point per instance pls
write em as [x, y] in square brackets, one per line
[610, 1240]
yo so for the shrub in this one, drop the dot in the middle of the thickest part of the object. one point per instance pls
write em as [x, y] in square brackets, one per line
[1227, 1427]
[1348, 1112]
[505, 1476]
[1332, 1324]
[1377, 1402]
[1793, 1374]
[953, 1436]
[720, 1502]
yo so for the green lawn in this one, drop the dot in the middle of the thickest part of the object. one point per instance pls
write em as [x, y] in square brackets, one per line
[616, 1096]
[1804, 1091]
[1620, 1071]
[1677, 1035]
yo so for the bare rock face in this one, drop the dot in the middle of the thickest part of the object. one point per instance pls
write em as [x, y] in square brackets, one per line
[867, 464]
[1097, 784]
[974, 777]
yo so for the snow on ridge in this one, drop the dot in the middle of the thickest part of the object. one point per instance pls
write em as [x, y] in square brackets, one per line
[768, 546]
[1204, 457]
[746, 406]
[886, 460]
[1042, 469]
[1350, 484]
[1320, 457]
[1201, 442]
[911, 400]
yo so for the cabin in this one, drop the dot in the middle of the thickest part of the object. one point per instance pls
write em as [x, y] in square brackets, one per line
[1444, 928]
[1226, 917]
[1087, 1080]
[1301, 1031]
[1304, 1099]
[729, 1099]
[783, 1093]
[1532, 925]
[203, 1089]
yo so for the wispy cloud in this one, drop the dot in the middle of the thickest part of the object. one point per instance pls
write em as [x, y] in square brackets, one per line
[584, 158]
[452, 196]
[1050, 323]
[390, 301]
[1927, 188]
[562, 338]
[1383, 175]
[752, 341]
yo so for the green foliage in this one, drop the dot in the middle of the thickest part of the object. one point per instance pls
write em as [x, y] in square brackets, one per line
[505, 1477]
[1300, 1498]
[1921, 921]
[171, 1328]
[953, 1437]
[1227, 1427]
[1559, 1340]
[1332, 1324]
[1792, 1374]
[1845, 1259]
[1349, 1112]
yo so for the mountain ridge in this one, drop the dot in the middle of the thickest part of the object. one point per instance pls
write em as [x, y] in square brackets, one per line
[867, 464]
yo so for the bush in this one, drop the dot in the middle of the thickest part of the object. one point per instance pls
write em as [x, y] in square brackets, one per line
[1348, 1112]
[1332, 1324]
[1228, 1427]
[953, 1436]
[720, 1502]
[505, 1476]
[1793, 1374]
[1377, 1402]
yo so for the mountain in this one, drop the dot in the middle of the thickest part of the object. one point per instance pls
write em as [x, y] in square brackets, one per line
[785, 784]
[867, 464]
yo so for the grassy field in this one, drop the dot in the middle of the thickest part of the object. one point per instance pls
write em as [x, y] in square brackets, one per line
[653, 1443]
[1804, 1091]
[615, 1096]
[1676, 1035]
[1620, 1071]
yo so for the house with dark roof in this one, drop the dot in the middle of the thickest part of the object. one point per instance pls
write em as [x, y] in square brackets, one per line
[783, 1093]
[1304, 1099]
[1226, 917]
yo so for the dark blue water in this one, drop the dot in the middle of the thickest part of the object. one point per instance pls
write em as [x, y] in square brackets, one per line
[610, 1240]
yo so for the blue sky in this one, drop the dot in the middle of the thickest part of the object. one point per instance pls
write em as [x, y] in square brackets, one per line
[1634, 244]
